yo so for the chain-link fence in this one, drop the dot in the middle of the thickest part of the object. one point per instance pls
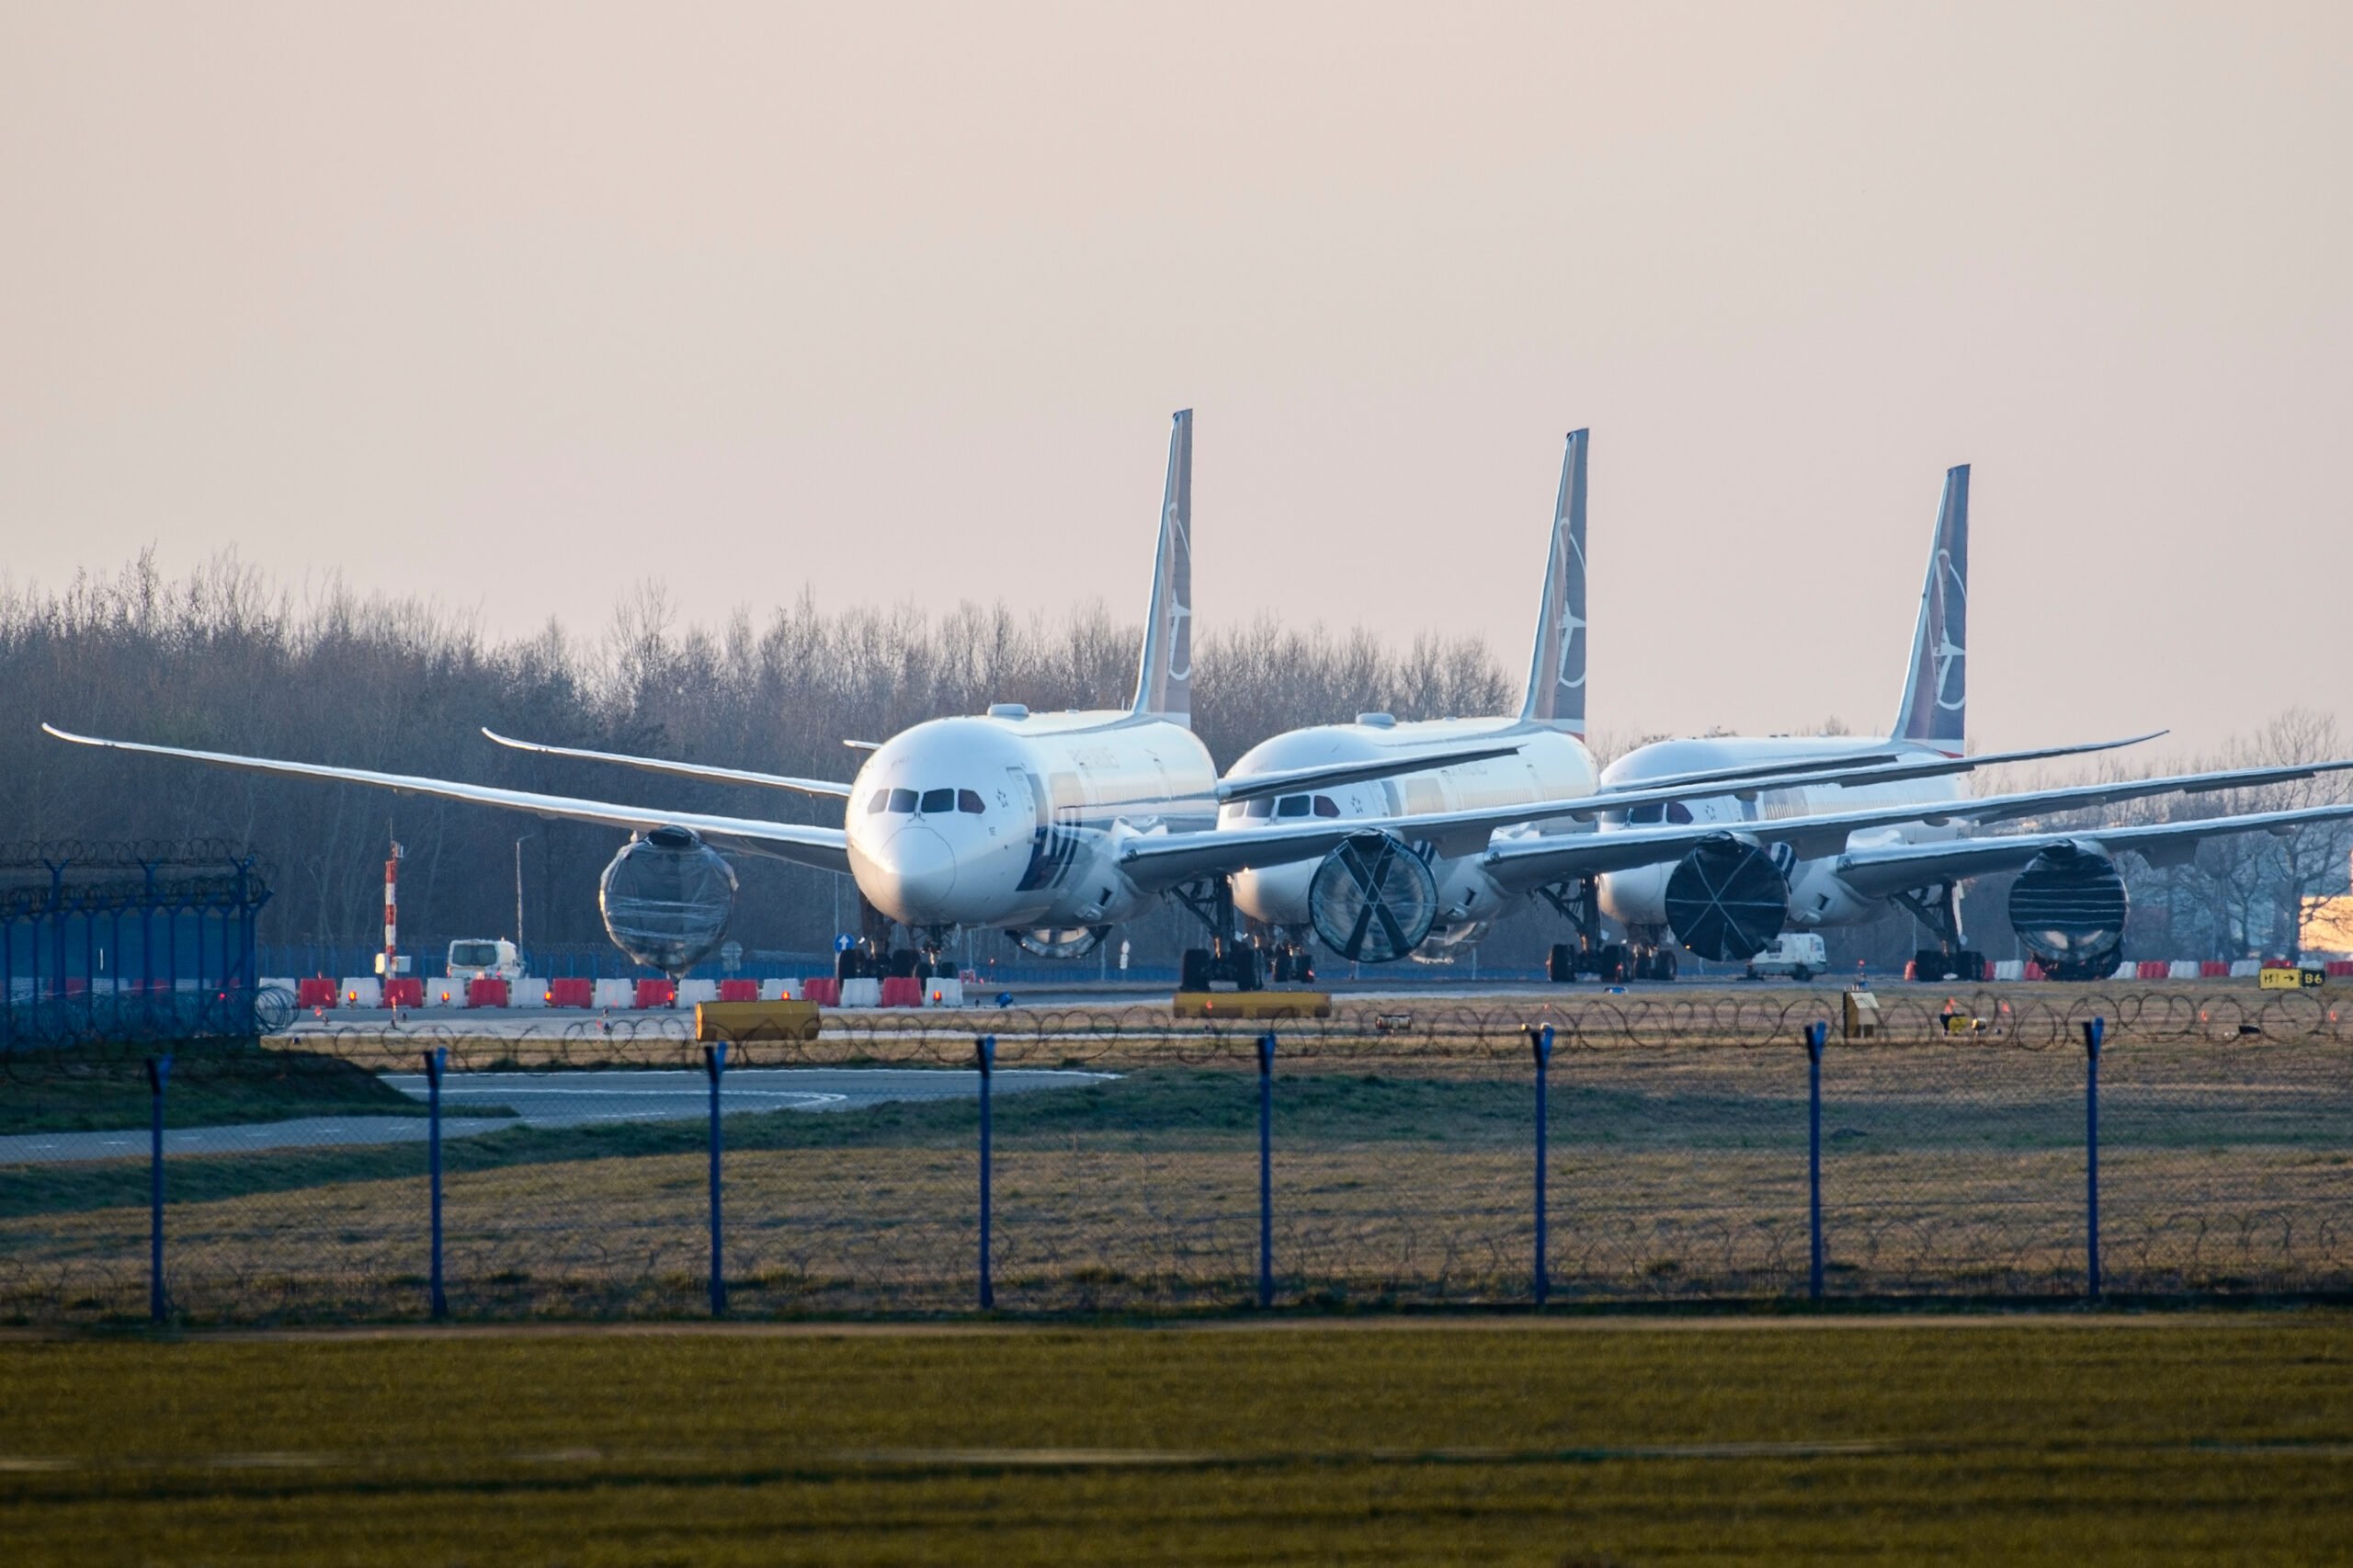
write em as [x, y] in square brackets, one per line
[1117, 1159]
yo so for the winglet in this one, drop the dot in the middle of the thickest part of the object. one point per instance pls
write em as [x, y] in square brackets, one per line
[1165, 673]
[1936, 685]
[1556, 669]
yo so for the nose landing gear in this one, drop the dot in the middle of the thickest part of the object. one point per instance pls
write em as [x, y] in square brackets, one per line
[879, 954]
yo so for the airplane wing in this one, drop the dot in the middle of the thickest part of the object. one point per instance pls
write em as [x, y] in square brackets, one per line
[1889, 868]
[681, 769]
[1531, 860]
[1294, 780]
[1871, 767]
[1154, 860]
[826, 849]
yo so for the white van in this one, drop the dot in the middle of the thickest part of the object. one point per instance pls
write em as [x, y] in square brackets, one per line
[1798, 954]
[477, 958]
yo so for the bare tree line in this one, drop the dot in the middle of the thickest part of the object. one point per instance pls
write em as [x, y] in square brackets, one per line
[226, 659]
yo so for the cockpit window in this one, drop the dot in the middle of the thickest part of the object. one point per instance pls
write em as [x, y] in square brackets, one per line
[1678, 813]
[939, 800]
[970, 801]
[877, 802]
[1260, 807]
[903, 800]
[1292, 806]
[1650, 811]
[1326, 807]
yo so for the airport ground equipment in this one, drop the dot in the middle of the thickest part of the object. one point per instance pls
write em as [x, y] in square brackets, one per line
[748, 1021]
[1252, 1004]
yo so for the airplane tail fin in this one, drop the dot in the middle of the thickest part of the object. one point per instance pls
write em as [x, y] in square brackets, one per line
[1556, 670]
[1935, 687]
[1164, 672]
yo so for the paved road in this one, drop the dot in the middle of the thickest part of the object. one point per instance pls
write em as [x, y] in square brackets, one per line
[552, 1099]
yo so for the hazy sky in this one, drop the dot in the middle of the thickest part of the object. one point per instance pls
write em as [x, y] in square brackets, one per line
[515, 305]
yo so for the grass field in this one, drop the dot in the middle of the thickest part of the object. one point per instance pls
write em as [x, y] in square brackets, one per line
[1674, 1173]
[2147, 1440]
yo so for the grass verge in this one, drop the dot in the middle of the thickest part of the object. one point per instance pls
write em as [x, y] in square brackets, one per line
[212, 1083]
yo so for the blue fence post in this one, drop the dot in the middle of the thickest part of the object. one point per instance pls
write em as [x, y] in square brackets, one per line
[1541, 1040]
[714, 1062]
[436, 1061]
[159, 1072]
[1267, 1169]
[1815, 1034]
[984, 1057]
[2093, 1031]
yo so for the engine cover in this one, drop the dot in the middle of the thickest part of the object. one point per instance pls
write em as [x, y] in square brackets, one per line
[1059, 941]
[666, 899]
[1372, 900]
[2068, 908]
[1727, 900]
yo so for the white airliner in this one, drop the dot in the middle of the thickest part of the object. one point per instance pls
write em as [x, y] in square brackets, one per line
[1725, 873]
[1053, 826]
[1448, 891]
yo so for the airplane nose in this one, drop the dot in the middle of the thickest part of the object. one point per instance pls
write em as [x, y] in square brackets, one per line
[916, 869]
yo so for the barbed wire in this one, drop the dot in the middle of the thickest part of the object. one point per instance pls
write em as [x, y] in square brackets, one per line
[1142, 1034]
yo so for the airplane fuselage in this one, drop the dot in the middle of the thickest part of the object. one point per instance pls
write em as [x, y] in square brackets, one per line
[1011, 821]
[1551, 765]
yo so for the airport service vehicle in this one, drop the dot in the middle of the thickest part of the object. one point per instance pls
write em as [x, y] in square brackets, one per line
[1800, 955]
[1440, 885]
[483, 957]
[1723, 873]
[1051, 826]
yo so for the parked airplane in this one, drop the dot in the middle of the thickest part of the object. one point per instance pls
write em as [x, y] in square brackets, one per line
[1053, 826]
[1445, 892]
[1725, 873]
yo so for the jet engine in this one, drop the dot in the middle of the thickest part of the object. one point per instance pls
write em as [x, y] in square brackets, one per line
[1372, 899]
[1059, 941]
[2068, 908]
[666, 898]
[1727, 900]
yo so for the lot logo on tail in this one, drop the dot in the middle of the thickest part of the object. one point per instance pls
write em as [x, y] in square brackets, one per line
[1164, 672]
[1936, 686]
[1556, 674]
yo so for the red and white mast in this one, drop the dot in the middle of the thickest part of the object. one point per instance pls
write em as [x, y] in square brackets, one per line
[391, 919]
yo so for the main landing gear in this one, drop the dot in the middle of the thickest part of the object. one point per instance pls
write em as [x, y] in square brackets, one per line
[1938, 909]
[1227, 961]
[1289, 958]
[1589, 957]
